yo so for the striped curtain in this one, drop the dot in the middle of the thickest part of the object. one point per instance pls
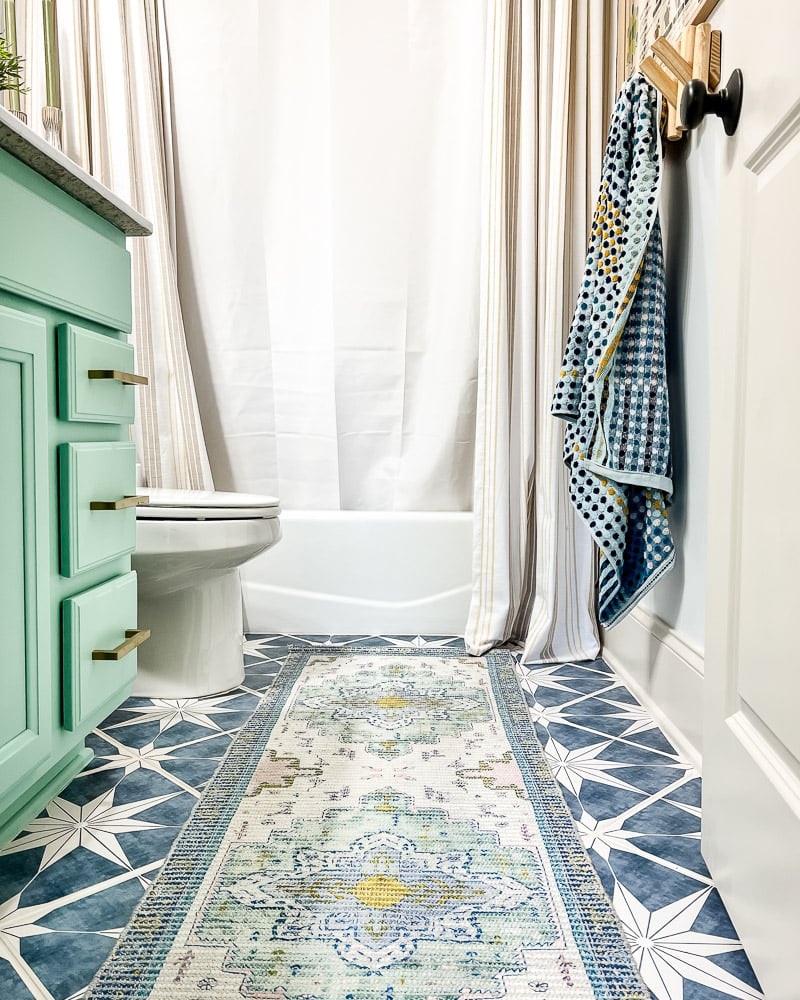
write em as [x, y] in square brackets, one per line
[116, 99]
[549, 72]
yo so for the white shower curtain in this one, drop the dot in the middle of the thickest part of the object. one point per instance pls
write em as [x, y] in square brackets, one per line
[548, 85]
[328, 227]
[116, 101]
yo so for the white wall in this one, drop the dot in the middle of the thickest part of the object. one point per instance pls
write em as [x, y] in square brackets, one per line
[659, 648]
[689, 215]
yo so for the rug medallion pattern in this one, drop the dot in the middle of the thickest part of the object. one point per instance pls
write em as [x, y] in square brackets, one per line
[384, 828]
[390, 708]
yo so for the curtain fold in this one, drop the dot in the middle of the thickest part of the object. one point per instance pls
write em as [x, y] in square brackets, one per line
[548, 96]
[115, 86]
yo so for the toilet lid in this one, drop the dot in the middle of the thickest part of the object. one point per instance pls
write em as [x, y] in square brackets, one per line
[205, 505]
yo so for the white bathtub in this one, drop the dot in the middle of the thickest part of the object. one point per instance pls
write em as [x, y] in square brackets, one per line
[362, 572]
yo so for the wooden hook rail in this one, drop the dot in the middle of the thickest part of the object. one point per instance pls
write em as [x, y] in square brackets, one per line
[698, 57]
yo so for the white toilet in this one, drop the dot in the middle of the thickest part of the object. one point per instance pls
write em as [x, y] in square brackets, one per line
[189, 546]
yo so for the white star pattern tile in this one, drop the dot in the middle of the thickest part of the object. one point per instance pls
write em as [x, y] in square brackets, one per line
[670, 953]
[71, 880]
[94, 826]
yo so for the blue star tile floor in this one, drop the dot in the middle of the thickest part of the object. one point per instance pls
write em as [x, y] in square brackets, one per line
[71, 880]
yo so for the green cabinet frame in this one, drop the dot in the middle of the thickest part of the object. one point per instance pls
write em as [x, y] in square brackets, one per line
[25, 705]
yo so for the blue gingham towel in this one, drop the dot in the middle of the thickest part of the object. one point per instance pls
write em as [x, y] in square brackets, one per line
[613, 389]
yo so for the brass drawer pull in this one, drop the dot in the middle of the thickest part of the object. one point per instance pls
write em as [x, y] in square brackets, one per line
[119, 504]
[127, 377]
[133, 638]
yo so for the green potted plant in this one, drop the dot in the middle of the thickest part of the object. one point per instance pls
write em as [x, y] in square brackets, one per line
[11, 73]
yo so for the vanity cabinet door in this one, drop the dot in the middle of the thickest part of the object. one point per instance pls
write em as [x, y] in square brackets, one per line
[25, 675]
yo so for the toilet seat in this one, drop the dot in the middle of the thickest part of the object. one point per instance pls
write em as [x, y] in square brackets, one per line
[206, 505]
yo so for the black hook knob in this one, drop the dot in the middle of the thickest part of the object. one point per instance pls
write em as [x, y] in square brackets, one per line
[726, 104]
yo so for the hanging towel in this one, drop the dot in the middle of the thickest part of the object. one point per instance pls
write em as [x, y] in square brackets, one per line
[613, 389]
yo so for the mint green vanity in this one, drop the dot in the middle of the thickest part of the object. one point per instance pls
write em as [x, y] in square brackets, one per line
[68, 623]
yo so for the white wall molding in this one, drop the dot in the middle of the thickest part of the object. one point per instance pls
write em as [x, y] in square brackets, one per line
[664, 672]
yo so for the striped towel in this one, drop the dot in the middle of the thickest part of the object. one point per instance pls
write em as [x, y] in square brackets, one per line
[613, 390]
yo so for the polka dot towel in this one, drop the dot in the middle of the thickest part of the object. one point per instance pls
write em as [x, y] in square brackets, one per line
[613, 390]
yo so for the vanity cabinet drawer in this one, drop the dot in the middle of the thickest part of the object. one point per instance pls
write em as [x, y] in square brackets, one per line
[98, 503]
[96, 380]
[98, 625]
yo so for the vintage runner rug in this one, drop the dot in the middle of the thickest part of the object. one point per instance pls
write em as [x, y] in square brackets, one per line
[385, 827]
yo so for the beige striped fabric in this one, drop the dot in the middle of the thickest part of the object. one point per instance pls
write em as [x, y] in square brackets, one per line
[116, 101]
[549, 67]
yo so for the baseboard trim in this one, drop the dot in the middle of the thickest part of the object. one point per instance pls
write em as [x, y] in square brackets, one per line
[665, 673]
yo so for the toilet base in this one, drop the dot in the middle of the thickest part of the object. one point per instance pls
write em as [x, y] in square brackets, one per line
[196, 639]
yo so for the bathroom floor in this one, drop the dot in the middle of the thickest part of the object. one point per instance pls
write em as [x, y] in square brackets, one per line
[70, 882]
